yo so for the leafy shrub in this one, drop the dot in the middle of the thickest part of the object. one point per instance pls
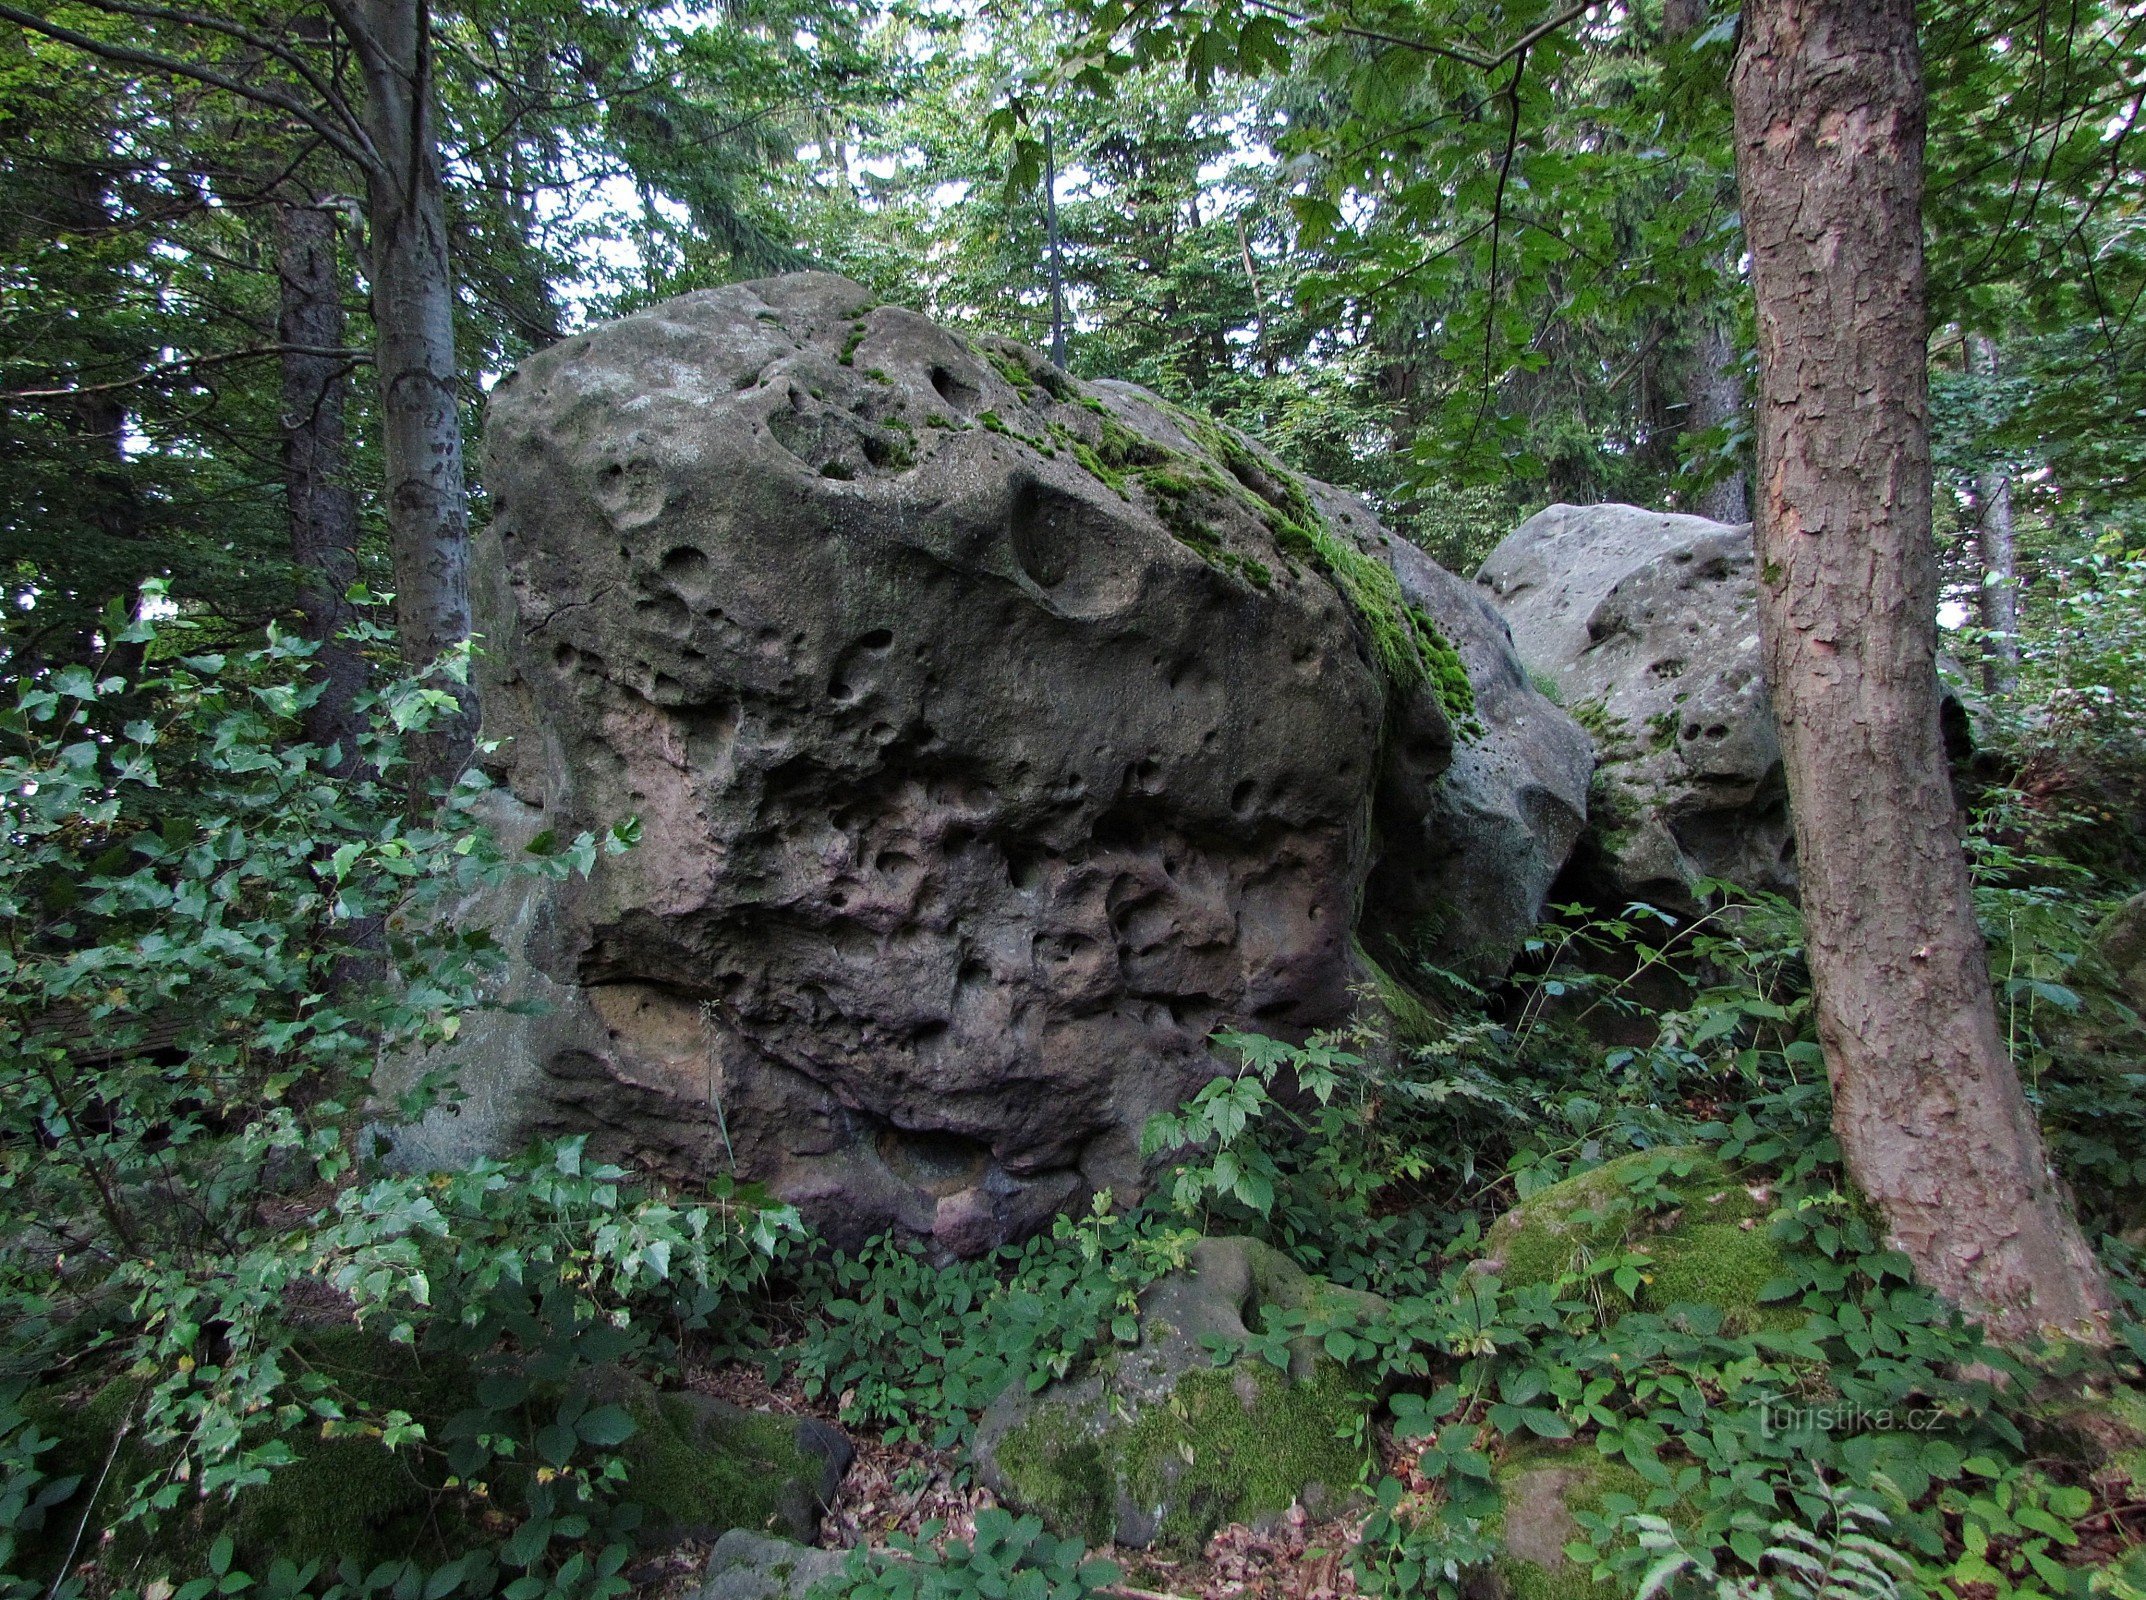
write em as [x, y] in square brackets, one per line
[212, 928]
[916, 1348]
[1007, 1560]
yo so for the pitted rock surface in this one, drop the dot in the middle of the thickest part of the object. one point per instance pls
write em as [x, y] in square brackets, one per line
[1647, 622]
[995, 737]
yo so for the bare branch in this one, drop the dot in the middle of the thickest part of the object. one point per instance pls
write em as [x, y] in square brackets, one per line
[164, 369]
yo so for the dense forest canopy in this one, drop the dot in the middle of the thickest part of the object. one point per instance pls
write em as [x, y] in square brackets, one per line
[1558, 1218]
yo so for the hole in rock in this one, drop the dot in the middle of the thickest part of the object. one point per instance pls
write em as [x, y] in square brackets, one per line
[938, 1162]
[1043, 532]
[877, 640]
[961, 396]
[684, 565]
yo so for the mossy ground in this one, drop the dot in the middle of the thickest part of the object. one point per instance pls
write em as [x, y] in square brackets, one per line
[1233, 1444]
[344, 1496]
[351, 1497]
[1705, 1233]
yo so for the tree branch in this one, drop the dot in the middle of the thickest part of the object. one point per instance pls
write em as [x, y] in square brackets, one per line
[329, 94]
[189, 364]
[172, 66]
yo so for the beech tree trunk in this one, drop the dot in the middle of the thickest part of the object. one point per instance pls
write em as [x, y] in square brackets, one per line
[322, 508]
[1933, 1124]
[1999, 595]
[413, 315]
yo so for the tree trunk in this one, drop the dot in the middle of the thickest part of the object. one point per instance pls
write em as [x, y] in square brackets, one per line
[1058, 265]
[413, 316]
[1716, 397]
[2000, 565]
[323, 510]
[1713, 393]
[1932, 1122]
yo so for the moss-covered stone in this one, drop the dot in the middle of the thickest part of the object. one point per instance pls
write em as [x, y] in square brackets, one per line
[1542, 1489]
[1410, 1020]
[702, 1466]
[1159, 1447]
[1705, 1232]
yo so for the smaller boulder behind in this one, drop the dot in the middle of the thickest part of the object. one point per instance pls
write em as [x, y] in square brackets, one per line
[1157, 1445]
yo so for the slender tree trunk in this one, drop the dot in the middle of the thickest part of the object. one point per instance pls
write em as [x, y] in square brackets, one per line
[413, 314]
[322, 508]
[1058, 266]
[1716, 397]
[1713, 392]
[1932, 1121]
[2000, 563]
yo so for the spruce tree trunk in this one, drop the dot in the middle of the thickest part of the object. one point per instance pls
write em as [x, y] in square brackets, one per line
[321, 506]
[1932, 1121]
[413, 315]
[1713, 393]
[1716, 397]
[1999, 595]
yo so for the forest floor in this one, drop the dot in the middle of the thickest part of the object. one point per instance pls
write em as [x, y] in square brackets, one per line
[904, 1487]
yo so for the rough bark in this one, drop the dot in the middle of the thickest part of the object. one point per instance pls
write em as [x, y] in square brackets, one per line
[1932, 1122]
[1999, 596]
[319, 501]
[413, 313]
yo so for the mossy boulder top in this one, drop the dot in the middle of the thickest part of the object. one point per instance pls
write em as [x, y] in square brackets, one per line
[996, 736]
[1158, 1445]
[1705, 1233]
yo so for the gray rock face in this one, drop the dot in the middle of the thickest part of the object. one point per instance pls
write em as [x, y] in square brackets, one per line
[995, 738]
[1647, 623]
[752, 1566]
[1499, 823]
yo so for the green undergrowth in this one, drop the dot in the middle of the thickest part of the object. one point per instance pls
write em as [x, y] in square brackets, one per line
[915, 1348]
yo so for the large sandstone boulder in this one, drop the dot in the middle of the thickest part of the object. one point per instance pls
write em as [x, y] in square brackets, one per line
[996, 737]
[1647, 624]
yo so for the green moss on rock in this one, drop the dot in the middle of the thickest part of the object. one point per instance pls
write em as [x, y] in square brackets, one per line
[1159, 1446]
[702, 1467]
[1235, 1444]
[1706, 1233]
[1542, 1489]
